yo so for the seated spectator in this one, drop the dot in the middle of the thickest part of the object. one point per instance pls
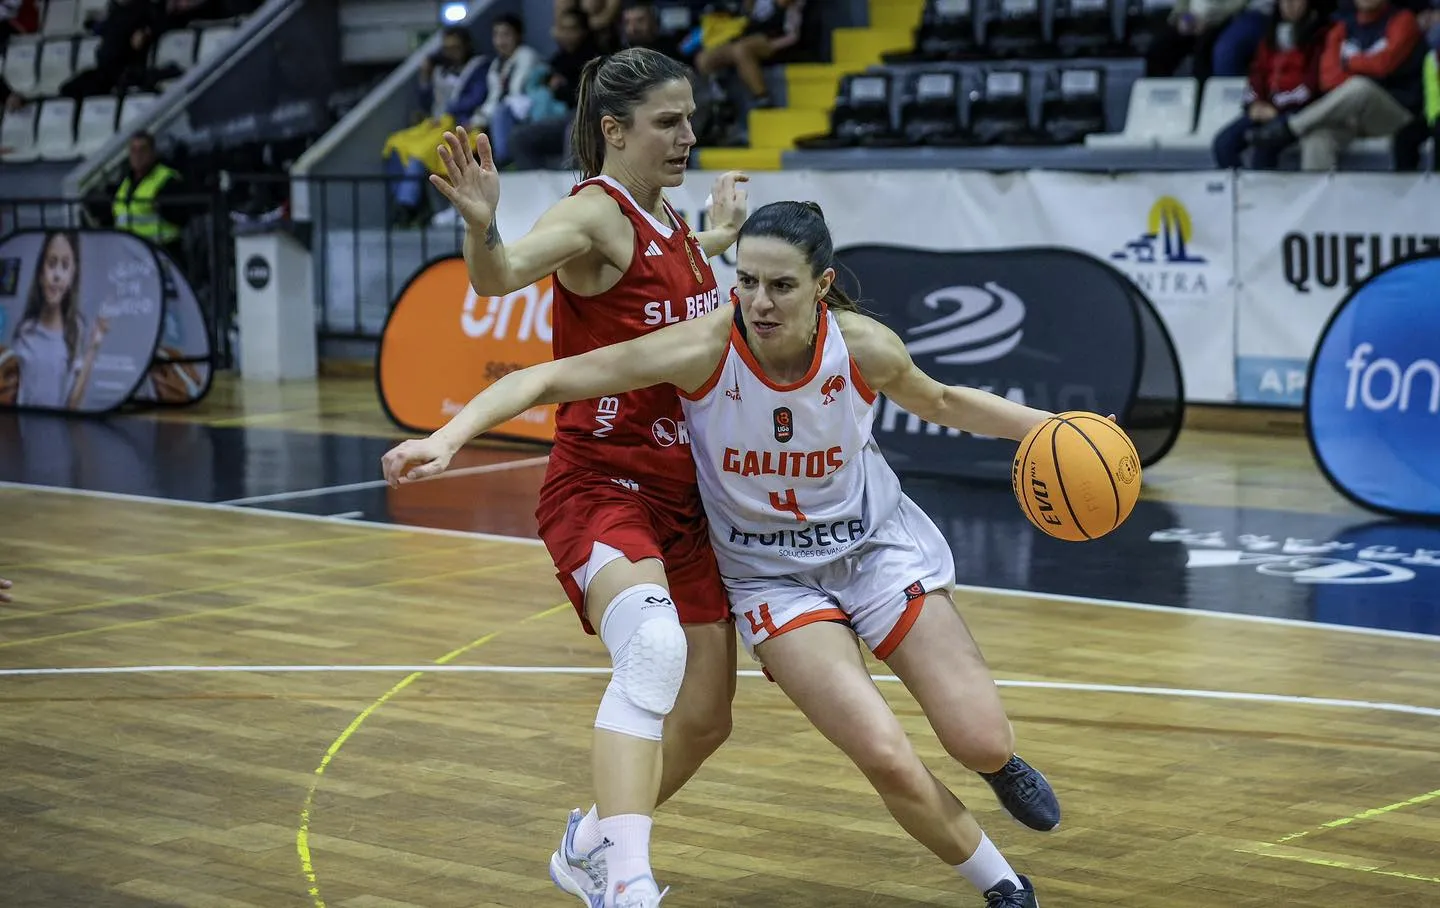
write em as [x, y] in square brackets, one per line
[1284, 78]
[1370, 70]
[507, 81]
[1195, 30]
[640, 27]
[18, 17]
[452, 87]
[127, 33]
[770, 28]
[1432, 98]
[600, 17]
[553, 93]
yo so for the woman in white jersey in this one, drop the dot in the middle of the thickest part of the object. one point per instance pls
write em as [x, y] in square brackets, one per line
[815, 540]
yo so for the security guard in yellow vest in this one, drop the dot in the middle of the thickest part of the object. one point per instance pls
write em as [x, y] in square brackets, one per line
[138, 206]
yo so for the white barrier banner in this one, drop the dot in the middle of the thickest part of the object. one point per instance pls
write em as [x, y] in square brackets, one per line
[1306, 240]
[1170, 233]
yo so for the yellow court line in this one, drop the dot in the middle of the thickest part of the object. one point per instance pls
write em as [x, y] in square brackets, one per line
[288, 600]
[302, 835]
[228, 585]
[1363, 815]
[1267, 850]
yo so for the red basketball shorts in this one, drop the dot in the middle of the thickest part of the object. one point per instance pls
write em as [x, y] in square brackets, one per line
[580, 508]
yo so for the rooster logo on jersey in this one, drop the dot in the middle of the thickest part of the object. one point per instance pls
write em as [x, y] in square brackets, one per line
[833, 385]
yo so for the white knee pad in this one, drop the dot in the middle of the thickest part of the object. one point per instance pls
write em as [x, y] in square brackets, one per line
[647, 645]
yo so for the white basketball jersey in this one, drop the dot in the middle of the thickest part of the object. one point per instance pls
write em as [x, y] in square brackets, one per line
[790, 475]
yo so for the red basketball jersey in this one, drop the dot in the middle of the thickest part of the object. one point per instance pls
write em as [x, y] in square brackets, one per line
[640, 435]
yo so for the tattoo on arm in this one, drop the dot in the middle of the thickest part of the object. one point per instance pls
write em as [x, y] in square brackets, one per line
[492, 236]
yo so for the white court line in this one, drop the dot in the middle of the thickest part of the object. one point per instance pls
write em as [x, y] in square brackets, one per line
[527, 540]
[347, 515]
[379, 483]
[1183, 692]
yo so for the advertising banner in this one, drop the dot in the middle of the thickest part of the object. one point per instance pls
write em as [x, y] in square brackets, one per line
[443, 344]
[1305, 241]
[1049, 328]
[1172, 235]
[80, 314]
[181, 371]
[1372, 402]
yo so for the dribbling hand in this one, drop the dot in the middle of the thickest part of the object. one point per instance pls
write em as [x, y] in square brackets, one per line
[728, 202]
[414, 460]
[471, 185]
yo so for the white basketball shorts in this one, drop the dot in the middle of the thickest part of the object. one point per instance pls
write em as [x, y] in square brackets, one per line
[877, 589]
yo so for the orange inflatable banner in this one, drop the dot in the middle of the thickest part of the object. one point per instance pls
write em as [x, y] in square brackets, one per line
[443, 344]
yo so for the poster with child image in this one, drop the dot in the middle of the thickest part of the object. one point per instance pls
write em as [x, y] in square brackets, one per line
[80, 314]
[181, 371]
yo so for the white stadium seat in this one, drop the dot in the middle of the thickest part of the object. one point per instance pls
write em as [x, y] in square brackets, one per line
[1158, 109]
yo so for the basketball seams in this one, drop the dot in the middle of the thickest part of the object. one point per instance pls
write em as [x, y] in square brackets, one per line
[1024, 464]
[1060, 474]
[1104, 465]
[1129, 443]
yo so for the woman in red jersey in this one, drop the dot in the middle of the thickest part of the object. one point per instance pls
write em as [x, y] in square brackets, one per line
[619, 511]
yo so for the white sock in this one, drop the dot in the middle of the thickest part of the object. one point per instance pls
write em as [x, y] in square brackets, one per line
[628, 856]
[987, 867]
[587, 834]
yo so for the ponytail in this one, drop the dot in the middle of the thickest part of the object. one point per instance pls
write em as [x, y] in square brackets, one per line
[587, 140]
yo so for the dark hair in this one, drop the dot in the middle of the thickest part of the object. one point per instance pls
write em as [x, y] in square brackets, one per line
[462, 34]
[613, 86]
[70, 306]
[516, 24]
[802, 225]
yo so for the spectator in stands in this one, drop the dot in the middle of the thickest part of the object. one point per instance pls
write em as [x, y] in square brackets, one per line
[1284, 78]
[126, 35]
[1432, 93]
[1370, 70]
[640, 27]
[1196, 30]
[18, 17]
[600, 17]
[543, 136]
[145, 202]
[451, 87]
[508, 79]
[771, 27]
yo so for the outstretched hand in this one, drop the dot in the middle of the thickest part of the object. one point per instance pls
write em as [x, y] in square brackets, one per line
[729, 204]
[414, 460]
[470, 182]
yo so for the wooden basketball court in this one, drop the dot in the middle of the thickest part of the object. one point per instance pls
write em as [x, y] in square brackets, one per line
[241, 705]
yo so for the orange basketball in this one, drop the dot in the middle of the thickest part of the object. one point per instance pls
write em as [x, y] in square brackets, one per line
[9, 376]
[1076, 476]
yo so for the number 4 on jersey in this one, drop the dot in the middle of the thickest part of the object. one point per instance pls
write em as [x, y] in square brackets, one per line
[785, 503]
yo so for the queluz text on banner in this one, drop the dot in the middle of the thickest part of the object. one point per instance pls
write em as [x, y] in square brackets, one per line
[443, 344]
[1372, 402]
[1049, 328]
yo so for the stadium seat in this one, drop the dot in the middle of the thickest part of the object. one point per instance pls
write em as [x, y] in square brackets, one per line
[946, 32]
[930, 114]
[98, 116]
[213, 40]
[55, 130]
[1013, 29]
[85, 53]
[56, 66]
[176, 48]
[1158, 109]
[1074, 105]
[1084, 28]
[861, 115]
[1219, 105]
[17, 133]
[1000, 115]
[62, 19]
[132, 108]
[92, 9]
[21, 65]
